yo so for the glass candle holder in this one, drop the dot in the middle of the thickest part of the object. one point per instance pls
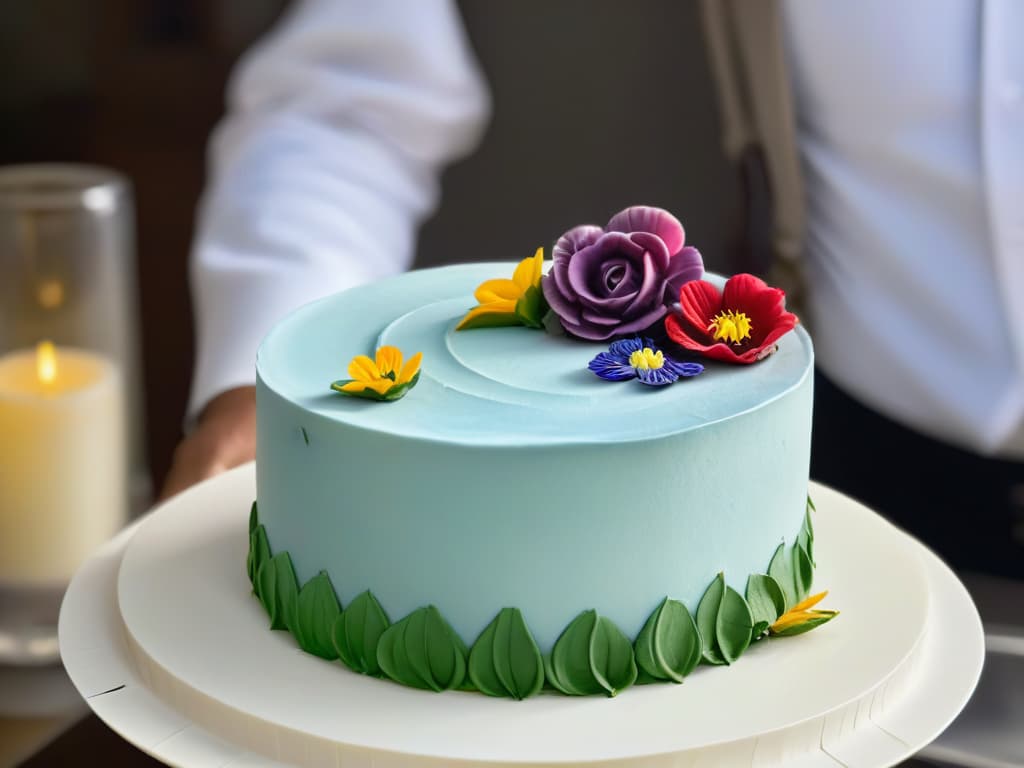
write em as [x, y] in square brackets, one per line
[72, 462]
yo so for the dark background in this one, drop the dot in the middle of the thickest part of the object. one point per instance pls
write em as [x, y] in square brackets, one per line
[622, 115]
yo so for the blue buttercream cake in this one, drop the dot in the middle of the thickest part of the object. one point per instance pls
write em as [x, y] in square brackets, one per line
[512, 498]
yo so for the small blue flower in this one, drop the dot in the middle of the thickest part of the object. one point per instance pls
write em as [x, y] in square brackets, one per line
[639, 358]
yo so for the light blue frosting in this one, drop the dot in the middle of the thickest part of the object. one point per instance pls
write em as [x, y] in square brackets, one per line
[513, 476]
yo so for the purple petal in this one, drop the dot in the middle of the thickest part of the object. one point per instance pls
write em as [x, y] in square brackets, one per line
[585, 270]
[626, 347]
[651, 292]
[560, 271]
[588, 332]
[656, 377]
[655, 246]
[643, 322]
[590, 316]
[657, 221]
[561, 306]
[685, 266]
[684, 369]
[618, 276]
[574, 240]
[611, 367]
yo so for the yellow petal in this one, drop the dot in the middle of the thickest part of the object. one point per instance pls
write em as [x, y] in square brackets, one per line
[380, 386]
[810, 602]
[354, 386]
[787, 620]
[389, 359]
[363, 368]
[527, 272]
[500, 307]
[411, 368]
[498, 289]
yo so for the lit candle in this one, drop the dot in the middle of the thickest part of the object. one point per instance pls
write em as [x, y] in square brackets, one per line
[63, 488]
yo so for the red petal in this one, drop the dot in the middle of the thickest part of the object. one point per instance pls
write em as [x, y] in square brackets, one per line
[741, 289]
[700, 302]
[685, 335]
[762, 304]
[783, 325]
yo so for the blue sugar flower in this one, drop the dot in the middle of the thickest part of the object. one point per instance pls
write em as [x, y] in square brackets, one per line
[638, 358]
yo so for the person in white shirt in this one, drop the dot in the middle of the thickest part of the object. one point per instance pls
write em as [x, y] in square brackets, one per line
[338, 125]
[913, 247]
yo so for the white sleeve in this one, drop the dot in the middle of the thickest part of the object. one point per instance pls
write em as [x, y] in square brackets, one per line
[338, 124]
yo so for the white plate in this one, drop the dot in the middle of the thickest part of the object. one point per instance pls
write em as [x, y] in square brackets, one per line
[205, 682]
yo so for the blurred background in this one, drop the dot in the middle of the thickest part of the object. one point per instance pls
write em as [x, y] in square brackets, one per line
[137, 86]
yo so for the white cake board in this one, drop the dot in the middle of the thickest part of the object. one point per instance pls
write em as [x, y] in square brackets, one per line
[160, 634]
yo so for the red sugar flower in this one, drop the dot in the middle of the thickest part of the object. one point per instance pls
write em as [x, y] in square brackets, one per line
[739, 325]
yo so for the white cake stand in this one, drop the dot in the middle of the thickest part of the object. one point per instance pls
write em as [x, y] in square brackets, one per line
[161, 636]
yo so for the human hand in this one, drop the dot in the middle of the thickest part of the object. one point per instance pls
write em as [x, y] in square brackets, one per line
[225, 437]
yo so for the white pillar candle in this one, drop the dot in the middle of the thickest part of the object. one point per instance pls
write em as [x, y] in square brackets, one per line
[63, 488]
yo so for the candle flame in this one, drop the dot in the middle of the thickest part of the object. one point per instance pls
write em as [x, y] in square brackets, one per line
[46, 362]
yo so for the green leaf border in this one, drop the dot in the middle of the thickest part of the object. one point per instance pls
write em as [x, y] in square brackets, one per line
[591, 656]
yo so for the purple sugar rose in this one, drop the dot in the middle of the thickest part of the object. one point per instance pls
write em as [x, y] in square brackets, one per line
[621, 279]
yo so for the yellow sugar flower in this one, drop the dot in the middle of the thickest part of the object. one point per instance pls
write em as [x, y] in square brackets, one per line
[801, 618]
[383, 378]
[518, 301]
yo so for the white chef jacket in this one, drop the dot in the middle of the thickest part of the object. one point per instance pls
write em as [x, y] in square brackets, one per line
[338, 124]
[910, 120]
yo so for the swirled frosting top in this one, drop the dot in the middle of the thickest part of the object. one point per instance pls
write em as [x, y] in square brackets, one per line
[496, 386]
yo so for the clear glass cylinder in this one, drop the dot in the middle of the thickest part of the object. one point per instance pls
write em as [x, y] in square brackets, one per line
[72, 459]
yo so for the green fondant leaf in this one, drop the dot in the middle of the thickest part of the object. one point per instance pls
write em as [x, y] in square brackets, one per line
[733, 625]
[505, 660]
[571, 669]
[516, 655]
[492, 320]
[288, 590]
[264, 589]
[806, 626]
[250, 561]
[643, 678]
[531, 308]
[399, 391]
[259, 550]
[392, 658]
[357, 632]
[550, 679]
[415, 640]
[669, 645]
[810, 504]
[423, 651]
[253, 519]
[446, 653]
[766, 600]
[805, 538]
[803, 572]
[760, 627]
[318, 610]
[707, 620]
[646, 662]
[481, 663]
[278, 591]
[611, 657]
[781, 569]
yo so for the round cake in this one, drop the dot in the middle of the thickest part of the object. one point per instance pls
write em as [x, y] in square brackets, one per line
[511, 476]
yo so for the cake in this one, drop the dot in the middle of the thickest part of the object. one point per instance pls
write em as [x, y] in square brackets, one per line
[510, 521]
